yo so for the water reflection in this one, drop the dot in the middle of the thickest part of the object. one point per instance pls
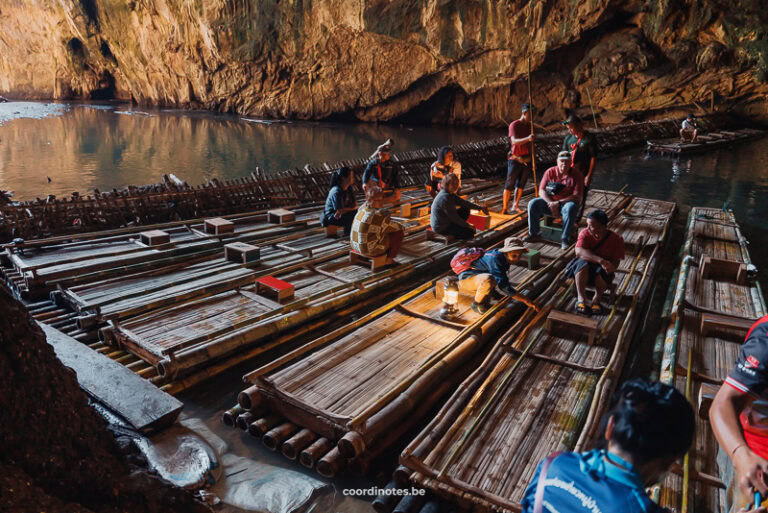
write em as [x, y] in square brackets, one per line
[103, 146]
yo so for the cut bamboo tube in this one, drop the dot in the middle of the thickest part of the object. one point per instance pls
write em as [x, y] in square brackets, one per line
[385, 502]
[331, 464]
[351, 445]
[292, 447]
[275, 437]
[229, 416]
[309, 456]
[250, 398]
[244, 420]
[264, 424]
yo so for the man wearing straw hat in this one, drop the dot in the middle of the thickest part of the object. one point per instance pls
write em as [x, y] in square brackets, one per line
[490, 271]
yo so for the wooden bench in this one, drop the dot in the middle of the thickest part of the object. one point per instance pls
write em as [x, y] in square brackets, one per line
[532, 258]
[331, 231]
[578, 323]
[375, 262]
[282, 289]
[280, 216]
[154, 238]
[718, 323]
[218, 226]
[707, 393]
[480, 221]
[437, 237]
[720, 269]
[242, 253]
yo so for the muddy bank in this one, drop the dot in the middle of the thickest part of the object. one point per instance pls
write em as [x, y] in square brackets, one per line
[56, 453]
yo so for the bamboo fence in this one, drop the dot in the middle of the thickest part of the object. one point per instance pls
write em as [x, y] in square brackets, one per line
[175, 200]
[690, 359]
[538, 392]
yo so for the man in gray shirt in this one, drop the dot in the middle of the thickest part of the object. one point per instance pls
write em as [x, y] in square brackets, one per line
[450, 212]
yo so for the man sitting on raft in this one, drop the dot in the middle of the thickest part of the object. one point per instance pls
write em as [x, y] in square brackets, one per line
[690, 129]
[489, 270]
[374, 232]
[598, 254]
[445, 165]
[449, 212]
[560, 194]
[382, 173]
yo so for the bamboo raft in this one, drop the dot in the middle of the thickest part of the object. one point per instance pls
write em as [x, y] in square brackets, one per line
[541, 389]
[722, 302]
[706, 142]
[370, 381]
[175, 200]
[141, 302]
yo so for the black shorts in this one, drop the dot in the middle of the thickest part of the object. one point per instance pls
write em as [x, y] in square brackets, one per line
[517, 175]
[593, 269]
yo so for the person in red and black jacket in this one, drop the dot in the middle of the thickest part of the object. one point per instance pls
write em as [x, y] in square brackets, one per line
[739, 418]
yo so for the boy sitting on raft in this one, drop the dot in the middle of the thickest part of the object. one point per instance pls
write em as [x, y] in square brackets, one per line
[598, 254]
[382, 173]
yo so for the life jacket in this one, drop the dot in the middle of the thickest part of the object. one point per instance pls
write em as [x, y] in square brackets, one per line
[464, 259]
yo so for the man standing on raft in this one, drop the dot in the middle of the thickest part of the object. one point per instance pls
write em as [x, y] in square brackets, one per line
[519, 161]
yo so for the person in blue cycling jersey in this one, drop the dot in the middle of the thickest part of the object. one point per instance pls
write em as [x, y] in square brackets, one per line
[649, 427]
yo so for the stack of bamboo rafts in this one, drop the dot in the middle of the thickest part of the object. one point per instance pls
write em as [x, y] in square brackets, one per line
[709, 308]
[173, 199]
[182, 314]
[368, 382]
[544, 386]
[704, 142]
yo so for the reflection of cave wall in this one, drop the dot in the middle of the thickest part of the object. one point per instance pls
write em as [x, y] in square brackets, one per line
[459, 62]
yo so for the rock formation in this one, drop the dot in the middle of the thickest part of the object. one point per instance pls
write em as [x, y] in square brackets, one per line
[449, 61]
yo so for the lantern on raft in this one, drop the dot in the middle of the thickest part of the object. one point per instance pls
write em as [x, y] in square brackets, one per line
[449, 310]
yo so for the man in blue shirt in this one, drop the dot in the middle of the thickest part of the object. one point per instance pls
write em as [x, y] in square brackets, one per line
[489, 271]
[650, 426]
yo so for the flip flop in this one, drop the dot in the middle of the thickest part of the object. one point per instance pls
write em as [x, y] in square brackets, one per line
[581, 308]
[598, 309]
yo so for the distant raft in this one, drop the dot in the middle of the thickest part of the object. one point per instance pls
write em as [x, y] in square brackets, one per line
[705, 142]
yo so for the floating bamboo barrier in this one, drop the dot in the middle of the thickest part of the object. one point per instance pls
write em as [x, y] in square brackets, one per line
[692, 360]
[540, 390]
[363, 385]
[175, 200]
[705, 142]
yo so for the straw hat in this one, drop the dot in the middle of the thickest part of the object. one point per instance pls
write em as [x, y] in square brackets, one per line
[512, 244]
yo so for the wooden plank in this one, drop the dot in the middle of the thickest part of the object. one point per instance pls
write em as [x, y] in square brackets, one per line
[142, 404]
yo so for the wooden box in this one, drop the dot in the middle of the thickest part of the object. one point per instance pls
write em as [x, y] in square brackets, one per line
[720, 269]
[241, 253]
[437, 237]
[724, 325]
[331, 231]
[218, 226]
[480, 221]
[532, 258]
[375, 262]
[281, 216]
[577, 324]
[275, 287]
[423, 211]
[405, 210]
[154, 237]
[707, 393]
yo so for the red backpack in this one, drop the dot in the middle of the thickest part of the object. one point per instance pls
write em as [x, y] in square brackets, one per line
[463, 260]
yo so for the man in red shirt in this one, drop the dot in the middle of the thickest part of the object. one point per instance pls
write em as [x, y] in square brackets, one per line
[560, 194]
[598, 254]
[519, 161]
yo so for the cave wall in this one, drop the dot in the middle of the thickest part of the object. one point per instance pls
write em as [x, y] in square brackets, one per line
[448, 61]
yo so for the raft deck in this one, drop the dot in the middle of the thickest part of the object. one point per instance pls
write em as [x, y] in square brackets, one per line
[704, 142]
[715, 234]
[540, 390]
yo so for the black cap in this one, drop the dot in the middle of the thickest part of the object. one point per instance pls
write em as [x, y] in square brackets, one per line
[691, 116]
[526, 107]
[572, 118]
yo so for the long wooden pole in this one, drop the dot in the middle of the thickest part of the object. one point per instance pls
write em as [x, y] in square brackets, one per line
[594, 118]
[533, 148]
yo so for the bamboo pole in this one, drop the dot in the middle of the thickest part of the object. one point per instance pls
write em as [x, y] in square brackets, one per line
[533, 147]
[591, 107]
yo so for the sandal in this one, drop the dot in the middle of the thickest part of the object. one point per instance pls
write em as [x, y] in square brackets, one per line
[598, 309]
[581, 308]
